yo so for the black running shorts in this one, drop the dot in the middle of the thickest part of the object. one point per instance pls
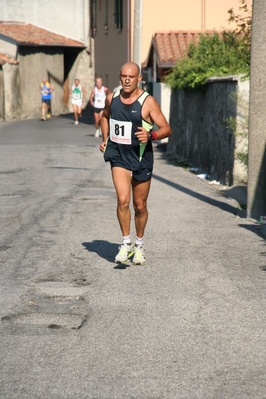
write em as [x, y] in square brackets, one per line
[139, 175]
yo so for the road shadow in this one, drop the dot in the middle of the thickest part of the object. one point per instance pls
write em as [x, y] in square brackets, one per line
[238, 193]
[256, 228]
[211, 201]
[86, 118]
[105, 250]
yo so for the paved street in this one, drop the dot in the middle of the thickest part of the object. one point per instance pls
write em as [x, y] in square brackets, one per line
[191, 324]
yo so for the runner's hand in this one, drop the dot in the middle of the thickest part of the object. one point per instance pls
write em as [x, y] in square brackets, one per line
[142, 135]
[102, 146]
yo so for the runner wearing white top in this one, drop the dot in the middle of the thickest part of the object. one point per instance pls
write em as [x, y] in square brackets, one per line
[77, 95]
[97, 100]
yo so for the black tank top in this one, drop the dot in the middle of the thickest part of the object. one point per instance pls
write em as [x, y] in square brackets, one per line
[122, 145]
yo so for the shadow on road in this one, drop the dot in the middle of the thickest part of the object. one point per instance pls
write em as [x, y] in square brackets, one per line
[87, 115]
[255, 228]
[225, 207]
[104, 249]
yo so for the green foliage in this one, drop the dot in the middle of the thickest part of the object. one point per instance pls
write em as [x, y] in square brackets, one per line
[216, 54]
[239, 127]
[242, 157]
[243, 23]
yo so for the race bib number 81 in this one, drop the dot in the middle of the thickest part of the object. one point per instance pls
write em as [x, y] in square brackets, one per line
[120, 131]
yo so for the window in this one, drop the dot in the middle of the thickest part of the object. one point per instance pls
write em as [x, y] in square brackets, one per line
[106, 17]
[94, 17]
[118, 15]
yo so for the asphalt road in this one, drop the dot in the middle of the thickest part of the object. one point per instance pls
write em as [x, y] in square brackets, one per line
[190, 324]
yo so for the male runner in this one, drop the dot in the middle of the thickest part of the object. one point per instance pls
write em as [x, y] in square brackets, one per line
[97, 100]
[46, 90]
[127, 129]
[77, 95]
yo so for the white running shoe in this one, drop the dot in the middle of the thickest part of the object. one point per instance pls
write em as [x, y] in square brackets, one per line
[97, 133]
[76, 122]
[139, 255]
[125, 252]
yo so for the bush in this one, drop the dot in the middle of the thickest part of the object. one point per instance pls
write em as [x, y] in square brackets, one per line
[216, 54]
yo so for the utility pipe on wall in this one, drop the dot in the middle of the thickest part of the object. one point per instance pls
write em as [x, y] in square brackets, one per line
[137, 38]
[203, 15]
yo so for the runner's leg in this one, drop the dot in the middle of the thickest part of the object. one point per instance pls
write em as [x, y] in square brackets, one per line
[99, 123]
[43, 109]
[96, 123]
[140, 194]
[122, 182]
[96, 120]
[75, 112]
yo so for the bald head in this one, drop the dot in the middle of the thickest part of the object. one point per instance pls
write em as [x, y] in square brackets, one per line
[132, 66]
[130, 78]
[99, 82]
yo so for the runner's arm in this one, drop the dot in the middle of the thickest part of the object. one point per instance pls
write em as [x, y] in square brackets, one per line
[156, 115]
[91, 97]
[105, 121]
[152, 113]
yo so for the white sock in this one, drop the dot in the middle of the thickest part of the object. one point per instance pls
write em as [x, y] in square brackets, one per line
[126, 240]
[139, 241]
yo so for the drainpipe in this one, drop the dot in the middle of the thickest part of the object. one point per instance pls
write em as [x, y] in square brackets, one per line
[203, 15]
[128, 30]
[137, 32]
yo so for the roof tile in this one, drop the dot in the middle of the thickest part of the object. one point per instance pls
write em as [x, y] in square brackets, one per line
[31, 35]
[173, 46]
[5, 58]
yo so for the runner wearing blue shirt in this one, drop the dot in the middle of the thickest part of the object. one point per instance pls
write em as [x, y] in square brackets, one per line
[46, 90]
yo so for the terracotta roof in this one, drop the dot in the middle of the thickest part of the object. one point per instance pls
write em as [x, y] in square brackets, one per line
[30, 35]
[5, 58]
[172, 46]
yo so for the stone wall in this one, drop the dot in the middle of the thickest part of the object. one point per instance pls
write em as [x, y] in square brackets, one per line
[20, 84]
[82, 69]
[2, 94]
[35, 65]
[12, 94]
[201, 133]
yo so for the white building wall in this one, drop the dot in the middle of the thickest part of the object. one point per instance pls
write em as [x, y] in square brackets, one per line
[73, 21]
[162, 94]
[8, 48]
